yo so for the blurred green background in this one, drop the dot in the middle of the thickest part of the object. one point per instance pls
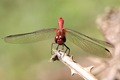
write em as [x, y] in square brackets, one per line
[30, 61]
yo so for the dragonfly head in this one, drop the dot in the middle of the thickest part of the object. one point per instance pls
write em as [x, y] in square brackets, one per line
[60, 22]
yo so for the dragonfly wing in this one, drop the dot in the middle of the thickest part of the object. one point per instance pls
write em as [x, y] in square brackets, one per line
[89, 45]
[31, 37]
[100, 42]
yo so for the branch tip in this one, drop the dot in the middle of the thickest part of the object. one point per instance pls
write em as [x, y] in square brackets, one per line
[74, 66]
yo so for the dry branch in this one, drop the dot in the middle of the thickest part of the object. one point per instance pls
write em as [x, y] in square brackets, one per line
[75, 67]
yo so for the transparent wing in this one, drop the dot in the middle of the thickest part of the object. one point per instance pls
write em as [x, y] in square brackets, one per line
[88, 44]
[31, 37]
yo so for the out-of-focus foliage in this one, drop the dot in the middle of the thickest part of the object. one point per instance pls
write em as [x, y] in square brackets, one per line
[25, 61]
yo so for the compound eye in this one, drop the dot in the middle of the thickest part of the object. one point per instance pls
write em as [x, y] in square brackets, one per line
[56, 38]
[60, 37]
[64, 39]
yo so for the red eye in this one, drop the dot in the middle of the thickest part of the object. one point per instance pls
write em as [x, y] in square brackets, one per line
[56, 38]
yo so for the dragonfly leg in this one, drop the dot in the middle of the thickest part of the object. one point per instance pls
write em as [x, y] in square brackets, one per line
[67, 48]
[62, 47]
[57, 47]
[52, 47]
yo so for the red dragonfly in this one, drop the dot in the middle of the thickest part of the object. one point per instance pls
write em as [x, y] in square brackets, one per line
[86, 43]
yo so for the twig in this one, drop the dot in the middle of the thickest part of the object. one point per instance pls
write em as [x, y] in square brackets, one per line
[75, 67]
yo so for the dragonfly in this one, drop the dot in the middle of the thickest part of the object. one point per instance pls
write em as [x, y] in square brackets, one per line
[60, 35]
